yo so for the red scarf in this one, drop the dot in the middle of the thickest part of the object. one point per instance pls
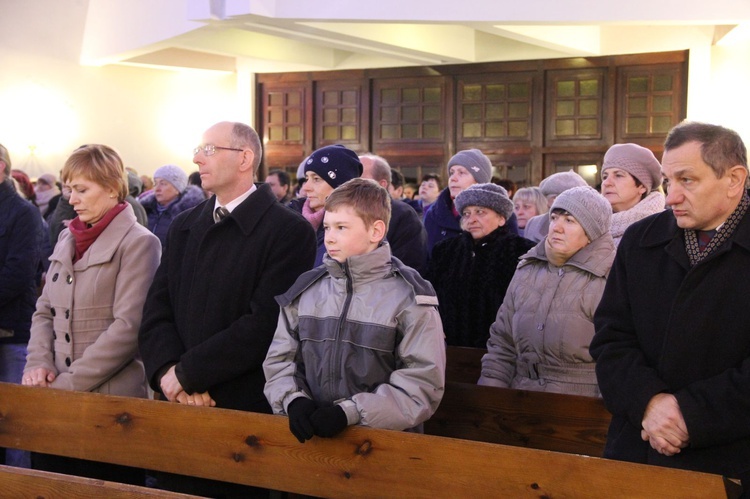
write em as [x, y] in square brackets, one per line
[85, 234]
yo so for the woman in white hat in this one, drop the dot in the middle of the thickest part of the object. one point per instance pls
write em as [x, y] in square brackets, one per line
[171, 196]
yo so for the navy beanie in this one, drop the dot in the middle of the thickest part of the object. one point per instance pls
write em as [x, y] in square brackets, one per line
[334, 164]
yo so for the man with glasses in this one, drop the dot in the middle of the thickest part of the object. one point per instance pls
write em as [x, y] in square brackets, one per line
[210, 314]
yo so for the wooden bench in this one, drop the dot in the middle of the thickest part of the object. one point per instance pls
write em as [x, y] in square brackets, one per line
[259, 450]
[549, 421]
[463, 364]
[19, 482]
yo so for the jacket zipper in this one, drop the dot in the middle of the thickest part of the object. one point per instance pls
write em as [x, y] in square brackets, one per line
[336, 359]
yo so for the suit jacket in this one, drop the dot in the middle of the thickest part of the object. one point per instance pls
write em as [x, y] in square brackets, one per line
[85, 327]
[211, 307]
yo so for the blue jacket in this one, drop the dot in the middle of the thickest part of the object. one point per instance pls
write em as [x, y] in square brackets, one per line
[159, 221]
[442, 224]
[20, 233]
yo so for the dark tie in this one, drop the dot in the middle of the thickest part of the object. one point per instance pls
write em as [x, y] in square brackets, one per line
[220, 213]
[704, 237]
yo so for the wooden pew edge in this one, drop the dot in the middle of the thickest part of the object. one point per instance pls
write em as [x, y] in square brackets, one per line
[269, 450]
[35, 483]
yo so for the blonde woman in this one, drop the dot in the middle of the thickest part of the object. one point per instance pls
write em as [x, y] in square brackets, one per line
[84, 333]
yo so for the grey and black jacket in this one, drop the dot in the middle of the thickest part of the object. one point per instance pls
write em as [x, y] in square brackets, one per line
[366, 335]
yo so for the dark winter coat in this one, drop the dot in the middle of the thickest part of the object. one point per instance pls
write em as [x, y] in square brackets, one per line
[63, 211]
[211, 307]
[159, 221]
[664, 327]
[442, 224]
[407, 236]
[470, 280]
[20, 246]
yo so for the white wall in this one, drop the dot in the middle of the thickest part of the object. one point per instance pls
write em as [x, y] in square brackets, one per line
[48, 100]
[729, 101]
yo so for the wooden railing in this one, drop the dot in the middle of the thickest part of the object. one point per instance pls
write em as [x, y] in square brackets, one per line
[259, 450]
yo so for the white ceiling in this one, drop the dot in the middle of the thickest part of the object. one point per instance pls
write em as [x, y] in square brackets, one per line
[302, 35]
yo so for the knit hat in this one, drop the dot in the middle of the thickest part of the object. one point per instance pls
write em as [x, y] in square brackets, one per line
[174, 175]
[637, 161]
[591, 209]
[47, 179]
[557, 183]
[491, 196]
[334, 164]
[475, 162]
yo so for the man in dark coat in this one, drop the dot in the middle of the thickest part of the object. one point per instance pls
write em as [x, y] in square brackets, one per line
[210, 314]
[672, 343]
[20, 253]
[406, 234]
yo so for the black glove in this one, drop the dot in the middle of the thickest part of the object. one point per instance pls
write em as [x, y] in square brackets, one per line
[329, 421]
[300, 410]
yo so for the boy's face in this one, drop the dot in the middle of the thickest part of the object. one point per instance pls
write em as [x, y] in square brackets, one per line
[347, 235]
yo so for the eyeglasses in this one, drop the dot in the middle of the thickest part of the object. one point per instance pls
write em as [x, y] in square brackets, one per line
[210, 149]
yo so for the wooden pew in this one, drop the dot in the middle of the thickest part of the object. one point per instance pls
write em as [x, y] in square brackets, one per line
[550, 421]
[258, 449]
[19, 482]
[463, 364]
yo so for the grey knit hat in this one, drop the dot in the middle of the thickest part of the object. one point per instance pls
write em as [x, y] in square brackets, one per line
[476, 162]
[174, 175]
[591, 209]
[557, 183]
[637, 161]
[491, 196]
[334, 164]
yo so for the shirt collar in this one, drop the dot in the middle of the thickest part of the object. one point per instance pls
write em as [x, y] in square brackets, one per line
[230, 206]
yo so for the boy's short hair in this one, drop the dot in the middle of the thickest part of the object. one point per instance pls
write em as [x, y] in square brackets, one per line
[367, 198]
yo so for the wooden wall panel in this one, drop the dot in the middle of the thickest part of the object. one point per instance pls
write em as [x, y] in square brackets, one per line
[527, 116]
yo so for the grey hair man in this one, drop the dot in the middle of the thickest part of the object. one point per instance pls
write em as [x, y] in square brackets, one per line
[672, 352]
[210, 314]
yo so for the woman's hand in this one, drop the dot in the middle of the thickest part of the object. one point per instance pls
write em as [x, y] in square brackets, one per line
[38, 377]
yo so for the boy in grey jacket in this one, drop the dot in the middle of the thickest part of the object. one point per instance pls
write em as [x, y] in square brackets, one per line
[359, 339]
